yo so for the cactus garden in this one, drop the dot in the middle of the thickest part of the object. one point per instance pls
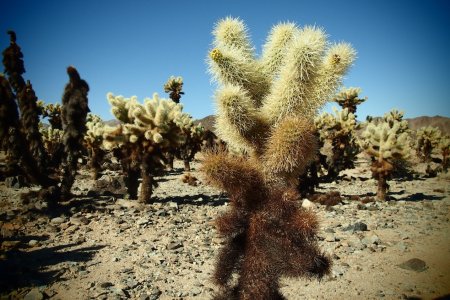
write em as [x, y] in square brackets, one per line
[288, 193]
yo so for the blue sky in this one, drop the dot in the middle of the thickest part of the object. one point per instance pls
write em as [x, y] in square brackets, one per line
[132, 47]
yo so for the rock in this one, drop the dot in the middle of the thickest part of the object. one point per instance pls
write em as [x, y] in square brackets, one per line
[173, 205]
[358, 226]
[414, 264]
[142, 221]
[33, 243]
[370, 240]
[105, 285]
[307, 204]
[154, 294]
[34, 294]
[57, 220]
[174, 245]
[79, 220]
[109, 185]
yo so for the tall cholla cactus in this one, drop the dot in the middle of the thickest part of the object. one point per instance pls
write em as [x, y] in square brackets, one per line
[339, 130]
[52, 139]
[266, 107]
[427, 140]
[73, 116]
[147, 131]
[94, 142]
[384, 144]
[173, 86]
[348, 98]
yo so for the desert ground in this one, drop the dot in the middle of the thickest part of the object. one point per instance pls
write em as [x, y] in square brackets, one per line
[100, 245]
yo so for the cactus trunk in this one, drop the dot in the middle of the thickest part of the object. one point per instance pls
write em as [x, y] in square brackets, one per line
[382, 188]
[147, 179]
[187, 165]
[132, 182]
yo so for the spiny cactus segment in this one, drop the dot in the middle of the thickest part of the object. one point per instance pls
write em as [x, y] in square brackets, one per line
[94, 143]
[266, 107]
[174, 87]
[427, 140]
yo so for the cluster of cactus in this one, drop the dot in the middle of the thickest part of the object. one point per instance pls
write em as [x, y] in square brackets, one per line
[21, 134]
[348, 98]
[338, 131]
[141, 141]
[385, 142]
[444, 146]
[94, 143]
[266, 107]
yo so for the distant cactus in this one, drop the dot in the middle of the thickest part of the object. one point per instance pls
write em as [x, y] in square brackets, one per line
[174, 87]
[53, 139]
[393, 117]
[348, 98]
[52, 112]
[384, 144]
[94, 143]
[147, 131]
[192, 143]
[427, 140]
[339, 131]
[266, 107]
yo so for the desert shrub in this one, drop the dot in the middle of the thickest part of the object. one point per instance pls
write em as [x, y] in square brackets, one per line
[266, 107]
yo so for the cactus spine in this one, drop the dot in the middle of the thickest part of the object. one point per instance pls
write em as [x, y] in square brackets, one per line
[266, 107]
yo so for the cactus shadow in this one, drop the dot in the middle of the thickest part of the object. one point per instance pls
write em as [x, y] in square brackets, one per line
[419, 197]
[196, 200]
[25, 267]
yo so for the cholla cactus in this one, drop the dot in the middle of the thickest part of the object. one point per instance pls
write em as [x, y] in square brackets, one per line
[173, 86]
[146, 133]
[52, 112]
[427, 140]
[444, 146]
[192, 144]
[348, 98]
[94, 142]
[53, 139]
[73, 116]
[266, 107]
[393, 117]
[384, 144]
[339, 131]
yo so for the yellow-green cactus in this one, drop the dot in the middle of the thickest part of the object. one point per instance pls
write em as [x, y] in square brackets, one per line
[94, 143]
[147, 131]
[266, 107]
[174, 87]
[384, 144]
[339, 131]
[192, 143]
[349, 98]
[52, 112]
[427, 140]
[393, 117]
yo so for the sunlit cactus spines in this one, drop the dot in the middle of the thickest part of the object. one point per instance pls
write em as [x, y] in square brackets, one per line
[192, 143]
[427, 141]
[94, 143]
[73, 116]
[147, 132]
[395, 116]
[53, 138]
[174, 87]
[349, 98]
[52, 112]
[266, 108]
[339, 130]
[385, 144]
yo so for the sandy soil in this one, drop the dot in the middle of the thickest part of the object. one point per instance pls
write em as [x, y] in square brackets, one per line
[102, 246]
